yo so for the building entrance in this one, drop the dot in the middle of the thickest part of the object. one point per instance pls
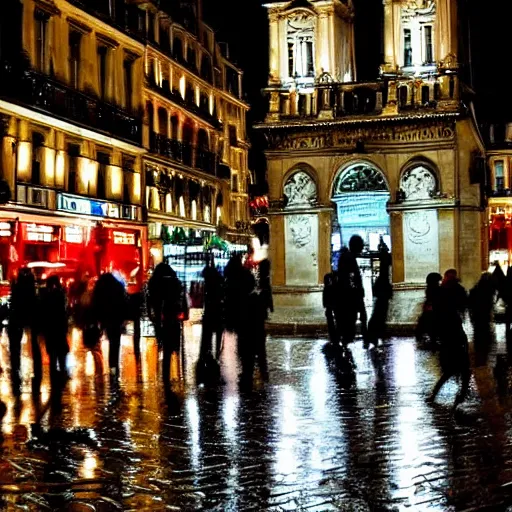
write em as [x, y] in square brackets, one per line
[360, 195]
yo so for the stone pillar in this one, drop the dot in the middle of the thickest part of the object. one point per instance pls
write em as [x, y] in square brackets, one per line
[446, 33]
[398, 274]
[324, 243]
[283, 50]
[391, 33]
[276, 250]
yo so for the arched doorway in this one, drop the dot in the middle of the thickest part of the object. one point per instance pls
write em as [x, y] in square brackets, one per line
[360, 194]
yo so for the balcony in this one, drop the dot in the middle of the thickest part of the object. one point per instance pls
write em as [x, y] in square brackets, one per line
[130, 19]
[328, 101]
[183, 153]
[43, 93]
[176, 98]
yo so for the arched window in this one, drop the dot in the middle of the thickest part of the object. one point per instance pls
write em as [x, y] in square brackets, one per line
[300, 38]
[193, 209]
[300, 190]
[162, 121]
[418, 182]
[182, 207]
[207, 216]
[168, 203]
[177, 48]
[219, 214]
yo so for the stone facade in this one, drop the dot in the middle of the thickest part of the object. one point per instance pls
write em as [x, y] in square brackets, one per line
[408, 135]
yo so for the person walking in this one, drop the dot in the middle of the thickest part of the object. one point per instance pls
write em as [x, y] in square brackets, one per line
[481, 305]
[449, 312]
[23, 313]
[382, 292]
[212, 313]
[349, 297]
[109, 303]
[167, 310]
[54, 327]
[427, 324]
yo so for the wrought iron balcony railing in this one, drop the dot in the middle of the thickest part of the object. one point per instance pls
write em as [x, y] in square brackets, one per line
[38, 91]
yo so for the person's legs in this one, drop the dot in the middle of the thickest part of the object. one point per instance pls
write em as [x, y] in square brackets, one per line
[15, 334]
[36, 353]
[206, 337]
[464, 388]
[261, 353]
[114, 337]
[439, 384]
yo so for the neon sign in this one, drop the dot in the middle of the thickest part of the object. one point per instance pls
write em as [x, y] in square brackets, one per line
[123, 238]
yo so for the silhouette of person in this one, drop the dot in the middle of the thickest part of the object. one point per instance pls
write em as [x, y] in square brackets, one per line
[382, 292]
[454, 357]
[349, 297]
[54, 326]
[427, 324]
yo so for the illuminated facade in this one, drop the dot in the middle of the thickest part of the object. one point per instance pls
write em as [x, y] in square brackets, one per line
[499, 201]
[71, 138]
[196, 168]
[394, 158]
[116, 117]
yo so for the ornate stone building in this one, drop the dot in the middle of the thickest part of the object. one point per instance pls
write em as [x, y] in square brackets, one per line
[197, 165]
[393, 159]
[115, 113]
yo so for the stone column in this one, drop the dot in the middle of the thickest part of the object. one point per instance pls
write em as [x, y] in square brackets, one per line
[390, 57]
[273, 46]
[276, 250]
[283, 50]
[446, 33]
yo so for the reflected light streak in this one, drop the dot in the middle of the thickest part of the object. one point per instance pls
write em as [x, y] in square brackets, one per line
[89, 465]
[193, 421]
[286, 460]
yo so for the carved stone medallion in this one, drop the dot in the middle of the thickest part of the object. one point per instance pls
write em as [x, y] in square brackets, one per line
[300, 229]
[418, 183]
[300, 190]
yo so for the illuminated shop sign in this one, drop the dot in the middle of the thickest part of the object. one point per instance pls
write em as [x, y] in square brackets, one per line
[73, 234]
[123, 238]
[5, 229]
[39, 233]
[83, 206]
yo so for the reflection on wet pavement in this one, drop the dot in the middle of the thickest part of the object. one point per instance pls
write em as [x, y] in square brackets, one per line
[312, 439]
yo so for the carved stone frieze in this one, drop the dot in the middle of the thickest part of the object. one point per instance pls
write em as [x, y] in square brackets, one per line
[340, 137]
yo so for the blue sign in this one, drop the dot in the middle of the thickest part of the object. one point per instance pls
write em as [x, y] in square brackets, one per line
[363, 209]
[85, 206]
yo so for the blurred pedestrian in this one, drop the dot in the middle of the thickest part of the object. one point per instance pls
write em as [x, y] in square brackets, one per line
[481, 306]
[427, 324]
[212, 313]
[382, 293]
[109, 303]
[168, 309]
[54, 327]
[23, 314]
[349, 297]
[454, 357]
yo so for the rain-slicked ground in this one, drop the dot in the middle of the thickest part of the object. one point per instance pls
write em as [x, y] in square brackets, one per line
[310, 439]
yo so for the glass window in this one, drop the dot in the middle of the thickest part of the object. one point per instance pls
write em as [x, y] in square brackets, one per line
[41, 40]
[75, 39]
[499, 175]
[128, 82]
[102, 70]
[429, 54]
[407, 48]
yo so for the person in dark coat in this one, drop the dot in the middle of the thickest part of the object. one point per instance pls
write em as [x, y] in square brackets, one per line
[167, 309]
[449, 312]
[109, 303]
[54, 326]
[427, 324]
[481, 305]
[382, 292]
[243, 313]
[23, 315]
[349, 301]
[212, 314]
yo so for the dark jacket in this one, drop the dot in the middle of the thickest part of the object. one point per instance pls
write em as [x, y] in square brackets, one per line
[109, 301]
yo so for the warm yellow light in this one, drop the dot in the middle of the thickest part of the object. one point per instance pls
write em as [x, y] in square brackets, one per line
[24, 159]
[182, 86]
[207, 214]
[198, 96]
[136, 187]
[168, 203]
[182, 207]
[219, 214]
[60, 168]
[49, 166]
[116, 181]
[212, 104]
[194, 210]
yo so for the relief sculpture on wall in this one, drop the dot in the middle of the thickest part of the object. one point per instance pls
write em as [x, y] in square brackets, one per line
[300, 230]
[300, 190]
[418, 183]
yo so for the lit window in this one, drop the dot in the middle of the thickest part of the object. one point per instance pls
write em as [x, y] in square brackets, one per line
[194, 209]
[499, 175]
[168, 203]
[300, 39]
[207, 214]
[219, 214]
[182, 207]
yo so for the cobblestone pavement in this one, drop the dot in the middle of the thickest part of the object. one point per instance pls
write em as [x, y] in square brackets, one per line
[311, 439]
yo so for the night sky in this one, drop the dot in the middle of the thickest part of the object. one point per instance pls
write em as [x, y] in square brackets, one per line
[484, 34]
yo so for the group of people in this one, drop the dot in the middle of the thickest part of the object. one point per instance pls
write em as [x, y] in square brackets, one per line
[441, 322]
[343, 297]
[238, 301]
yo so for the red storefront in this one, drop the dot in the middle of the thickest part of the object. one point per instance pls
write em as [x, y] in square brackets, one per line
[71, 249]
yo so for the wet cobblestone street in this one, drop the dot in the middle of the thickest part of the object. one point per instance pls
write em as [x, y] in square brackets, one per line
[310, 439]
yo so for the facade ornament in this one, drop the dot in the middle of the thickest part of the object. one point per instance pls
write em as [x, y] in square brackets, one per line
[360, 178]
[300, 230]
[449, 62]
[300, 190]
[418, 183]
[324, 78]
